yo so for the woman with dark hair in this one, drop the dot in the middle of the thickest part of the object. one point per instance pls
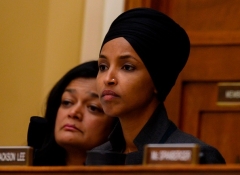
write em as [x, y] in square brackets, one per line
[76, 121]
[140, 59]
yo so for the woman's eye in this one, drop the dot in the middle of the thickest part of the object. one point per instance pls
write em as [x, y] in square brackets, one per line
[102, 67]
[66, 103]
[95, 109]
[128, 67]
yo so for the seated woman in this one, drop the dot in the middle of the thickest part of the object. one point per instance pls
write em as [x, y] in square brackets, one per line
[75, 118]
[140, 59]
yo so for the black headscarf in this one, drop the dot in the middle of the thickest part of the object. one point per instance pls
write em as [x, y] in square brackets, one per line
[160, 42]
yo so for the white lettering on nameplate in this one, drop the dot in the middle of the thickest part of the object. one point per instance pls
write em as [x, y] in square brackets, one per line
[12, 156]
[21, 156]
[171, 155]
[8, 156]
[232, 94]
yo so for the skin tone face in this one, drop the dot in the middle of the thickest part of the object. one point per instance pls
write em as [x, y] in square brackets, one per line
[124, 84]
[81, 123]
[125, 87]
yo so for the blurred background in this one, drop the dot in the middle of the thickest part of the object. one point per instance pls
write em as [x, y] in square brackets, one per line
[39, 41]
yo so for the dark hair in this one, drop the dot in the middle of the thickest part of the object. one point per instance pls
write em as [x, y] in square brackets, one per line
[51, 153]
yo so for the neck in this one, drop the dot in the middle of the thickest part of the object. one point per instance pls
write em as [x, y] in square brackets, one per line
[132, 123]
[75, 157]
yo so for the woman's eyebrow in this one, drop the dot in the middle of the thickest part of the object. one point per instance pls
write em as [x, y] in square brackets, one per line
[93, 94]
[70, 90]
[127, 56]
[102, 56]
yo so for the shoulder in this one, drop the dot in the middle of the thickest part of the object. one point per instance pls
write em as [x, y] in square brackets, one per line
[208, 154]
[179, 136]
[49, 156]
[104, 147]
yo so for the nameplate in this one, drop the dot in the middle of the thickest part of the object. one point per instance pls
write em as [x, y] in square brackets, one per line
[171, 154]
[229, 93]
[16, 155]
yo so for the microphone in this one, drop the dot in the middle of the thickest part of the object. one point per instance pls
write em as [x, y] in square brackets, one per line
[37, 130]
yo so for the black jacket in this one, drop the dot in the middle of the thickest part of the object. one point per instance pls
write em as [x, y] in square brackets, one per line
[159, 129]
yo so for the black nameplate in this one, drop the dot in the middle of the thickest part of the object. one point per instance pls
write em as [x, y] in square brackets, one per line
[171, 154]
[229, 93]
[16, 155]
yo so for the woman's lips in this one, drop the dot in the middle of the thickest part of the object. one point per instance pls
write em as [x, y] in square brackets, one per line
[70, 127]
[108, 95]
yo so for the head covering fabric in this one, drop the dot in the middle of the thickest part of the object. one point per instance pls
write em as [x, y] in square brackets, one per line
[160, 42]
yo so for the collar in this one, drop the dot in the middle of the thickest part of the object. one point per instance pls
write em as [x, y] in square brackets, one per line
[152, 132]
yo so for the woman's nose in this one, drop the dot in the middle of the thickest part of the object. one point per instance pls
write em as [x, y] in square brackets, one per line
[112, 81]
[110, 78]
[76, 113]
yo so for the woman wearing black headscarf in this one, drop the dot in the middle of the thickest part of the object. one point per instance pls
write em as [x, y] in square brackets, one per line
[140, 59]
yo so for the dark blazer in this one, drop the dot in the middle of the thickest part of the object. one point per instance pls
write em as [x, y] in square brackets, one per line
[159, 129]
